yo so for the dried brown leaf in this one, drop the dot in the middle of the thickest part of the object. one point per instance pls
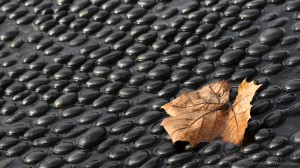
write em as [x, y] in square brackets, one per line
[203, 115]
[239, 113]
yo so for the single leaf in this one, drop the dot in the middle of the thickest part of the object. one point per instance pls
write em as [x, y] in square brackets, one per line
[203, 115]
[197, 116]
[208, 98]
[239, 113]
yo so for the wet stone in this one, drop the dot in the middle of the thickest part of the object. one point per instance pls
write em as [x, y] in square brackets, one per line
[118, 153]
[77, 156]
[38, 109]
[277, 142]
[249, 62]
[149, 117]
[91, 137]
[289, 40]
[106, 144]
[231, 57]
[145, 141]
[33, 157]
[138, 158]
[245, 163]
[273, 119]
[159, 71]
[243, 73]
[9, 108]
[292, 85]
[258, 49]
[252, 148]
[259, 156]
[121, 127]
[278, 55]
[51, 162]
[270, 36]
[211, 148]
[284, 151]
[295, 138]
[46, 120]
[65, 100]
[180, 158]
[132, 135]
[295, 156]
[272, 69]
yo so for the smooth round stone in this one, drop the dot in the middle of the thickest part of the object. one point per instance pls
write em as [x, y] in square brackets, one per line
[165, 150]
[286, 99]
[103, 100]
[270, 36]
[270, 91]
[187, 63]
[292, 85]
[194, 81]
[76, 132]
[195, 50]
[204, 68]
[258, 49]
[250, 14]
[231, 57]
[295, 156]
[128, 92]
[38, 109]
[107, 120]
[154, 85]
[241, 74]
[273, 119]
[112, 87]
[122, 127]
[293, 61]
[87, 96]
[33, 157]
[277, 142]
[149, 117]
[132, 135]
[261, 107]
[63, 127]
[228, 160]
[65, 100]
[91, 137]
[35, 132]
[51, 162]
[180, 75]
[72, 111]
[223, 42]
[284, 151]
[16, 117]
[88, 117]
[211, 148]
[9, 108]
[145, 141]
[118, 153]
[223, 72]
[77, 156]
[252, 148]
[292, 6]
[180, 158]
[107, 144]
[212, 159]
[289, 40]
[19, 129]
[295, 109]
[244, 163]
[230, 148]
[160, 71]
[259, 156]
[212, 55]
[249, 62]
[138, 158]
[295, 138]
[135, 111]
[17, 150]
[168, 90]
[278, 55]
[63, 148]
[272, 69]
[118, 107]
[263, 135]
